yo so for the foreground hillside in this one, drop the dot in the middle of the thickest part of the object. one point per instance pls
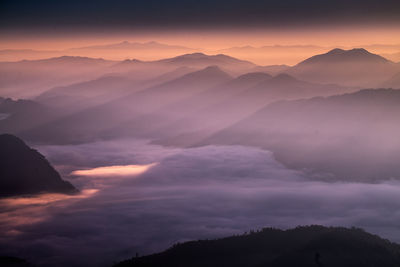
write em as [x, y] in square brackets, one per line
[25, 171]
[302, 246]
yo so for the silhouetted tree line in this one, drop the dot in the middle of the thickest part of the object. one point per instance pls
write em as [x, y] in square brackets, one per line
[302, 246]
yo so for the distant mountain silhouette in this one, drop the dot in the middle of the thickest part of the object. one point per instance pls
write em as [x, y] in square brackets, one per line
[209, 74]
[341, 56]
[25, 171]
[125, 45]
[63, 61]
[203, 60]
[252, 77]
[355, 67]
[305, 246]
[114, 50]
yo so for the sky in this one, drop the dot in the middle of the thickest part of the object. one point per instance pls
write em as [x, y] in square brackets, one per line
[203, 23]
[192, 14]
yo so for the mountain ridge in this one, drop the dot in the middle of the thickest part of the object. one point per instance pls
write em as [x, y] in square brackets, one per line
[23, 170]
[302, 246]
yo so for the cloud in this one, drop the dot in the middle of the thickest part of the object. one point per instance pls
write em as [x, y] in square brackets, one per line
[205, 192]
[116, 170]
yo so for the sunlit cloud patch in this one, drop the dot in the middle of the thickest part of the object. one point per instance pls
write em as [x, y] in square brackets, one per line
[117, 170]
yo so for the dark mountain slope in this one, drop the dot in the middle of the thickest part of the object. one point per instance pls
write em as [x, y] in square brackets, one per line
[302, 246]
[25, 171]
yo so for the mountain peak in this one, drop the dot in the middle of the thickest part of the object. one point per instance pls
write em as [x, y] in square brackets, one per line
[193, 55]
[201, 57]
[208, 73]
[338, 55]
[336, 51]
[213, 69]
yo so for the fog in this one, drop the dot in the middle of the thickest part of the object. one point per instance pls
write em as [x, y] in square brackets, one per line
[198, 146]
[205, 192]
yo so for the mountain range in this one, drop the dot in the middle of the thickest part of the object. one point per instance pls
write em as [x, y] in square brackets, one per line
[30, 78]
[327, 136]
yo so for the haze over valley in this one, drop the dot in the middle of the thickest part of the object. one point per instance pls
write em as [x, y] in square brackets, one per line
[123, 141]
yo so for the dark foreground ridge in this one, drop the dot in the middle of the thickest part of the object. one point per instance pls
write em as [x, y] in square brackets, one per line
[14, 262]
[302, 246]
[23, 170]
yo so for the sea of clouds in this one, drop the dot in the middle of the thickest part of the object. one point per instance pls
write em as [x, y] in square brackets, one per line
[188, 194]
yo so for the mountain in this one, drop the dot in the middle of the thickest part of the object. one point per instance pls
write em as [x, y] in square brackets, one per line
[302, 246]
[148, 51]
[330, 138]
[235, 101]
[23, 170]
[85, 94]
[27, 54]
[20, 115]
[176, 116]
[355, 67]
[115, 51]
[29, 78]
[180, 88]
[73, 61]
[285, 86]
[343, 56]
[201, 60]
[122, 111]
[125, 45]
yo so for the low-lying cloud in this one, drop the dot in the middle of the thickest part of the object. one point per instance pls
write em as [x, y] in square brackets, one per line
[205, 192]
[116, 170]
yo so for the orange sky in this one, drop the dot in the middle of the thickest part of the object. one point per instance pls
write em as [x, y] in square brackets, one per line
[357, 36]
